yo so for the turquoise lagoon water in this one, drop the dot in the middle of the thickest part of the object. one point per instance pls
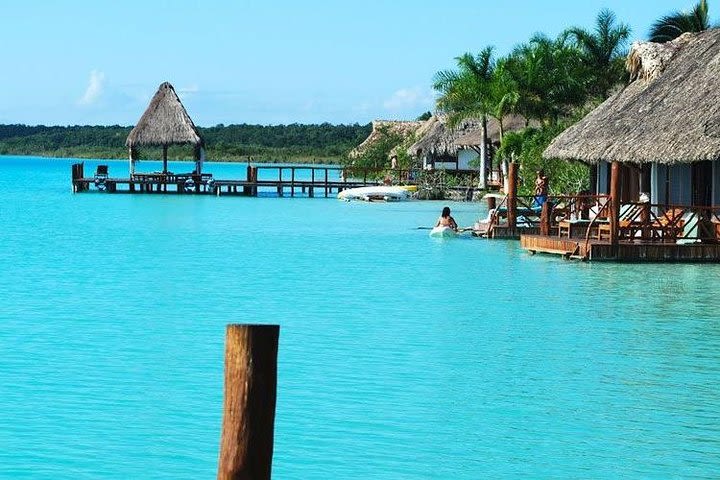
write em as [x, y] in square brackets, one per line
[401, 357]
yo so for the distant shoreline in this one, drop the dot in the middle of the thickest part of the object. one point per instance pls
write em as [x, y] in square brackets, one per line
[295, 143]
[208, 159]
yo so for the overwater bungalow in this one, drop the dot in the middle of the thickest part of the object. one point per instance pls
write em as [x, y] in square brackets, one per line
[458, 149]
[653, 149]
[164, 123]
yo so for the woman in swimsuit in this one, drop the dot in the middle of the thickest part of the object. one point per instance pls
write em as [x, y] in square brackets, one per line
[446, 220]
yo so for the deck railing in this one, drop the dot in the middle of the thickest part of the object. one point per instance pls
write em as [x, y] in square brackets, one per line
[648, 222]
[589, 217]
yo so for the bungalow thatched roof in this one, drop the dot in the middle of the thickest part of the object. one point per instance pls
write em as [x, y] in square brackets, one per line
[511, 123]
[165, 122]
[379, 127]
[669, 113]
[437, 138]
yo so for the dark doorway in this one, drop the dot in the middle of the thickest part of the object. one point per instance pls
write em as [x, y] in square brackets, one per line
[702, 184]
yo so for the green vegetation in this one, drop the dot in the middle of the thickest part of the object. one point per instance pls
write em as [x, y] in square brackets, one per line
[324, 143]
[672, 26]
[550, 82]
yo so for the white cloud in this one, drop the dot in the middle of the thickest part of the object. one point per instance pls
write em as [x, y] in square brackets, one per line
[409, 98]
[95, 88]
[185, 92]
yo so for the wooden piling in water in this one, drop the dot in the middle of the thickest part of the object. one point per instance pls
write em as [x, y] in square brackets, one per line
[246, 444]
[512, 195]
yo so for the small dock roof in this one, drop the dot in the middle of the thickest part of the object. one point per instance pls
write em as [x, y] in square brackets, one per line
[165, 122]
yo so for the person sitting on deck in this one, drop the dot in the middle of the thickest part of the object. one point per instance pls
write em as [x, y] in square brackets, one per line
[542, 183]
[446, 220]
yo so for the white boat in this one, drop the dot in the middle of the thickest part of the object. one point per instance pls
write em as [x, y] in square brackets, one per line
[375, 193]
[443, 232]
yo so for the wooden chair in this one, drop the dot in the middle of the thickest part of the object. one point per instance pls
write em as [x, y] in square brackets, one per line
[670, 225]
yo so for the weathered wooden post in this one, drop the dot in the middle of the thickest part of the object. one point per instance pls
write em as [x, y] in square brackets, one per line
[645, 220]
[614, 203]
[246, 444]
[546, 218]
[164, 158]
[512, 195]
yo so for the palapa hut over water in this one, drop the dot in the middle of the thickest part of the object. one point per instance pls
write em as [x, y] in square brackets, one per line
[654, 149]
[663, 129]
[164, 123]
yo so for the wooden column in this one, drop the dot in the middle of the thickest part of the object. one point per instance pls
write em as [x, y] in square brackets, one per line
[645, 220]
[546, 218]
[246, 444]
[164, 158]
[614, 202]
[512, 195]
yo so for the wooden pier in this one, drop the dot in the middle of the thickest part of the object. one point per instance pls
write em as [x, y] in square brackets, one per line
[279, 180]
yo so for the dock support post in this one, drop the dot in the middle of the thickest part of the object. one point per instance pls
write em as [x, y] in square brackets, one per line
[546, 218]
[512, 195]
[246, 444]
[614, 204]
[164, 157]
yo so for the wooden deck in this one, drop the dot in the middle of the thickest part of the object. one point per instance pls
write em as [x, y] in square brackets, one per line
[285, 183]
[503, 232]
[260, 180]
[625, 251]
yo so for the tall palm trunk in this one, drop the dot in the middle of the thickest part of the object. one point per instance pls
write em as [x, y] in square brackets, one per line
[483, 155]
[504, 166]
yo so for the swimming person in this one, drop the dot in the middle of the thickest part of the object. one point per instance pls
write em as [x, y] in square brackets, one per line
[446, 220]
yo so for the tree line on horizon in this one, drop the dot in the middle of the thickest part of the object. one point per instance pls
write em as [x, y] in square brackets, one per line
[242, 142]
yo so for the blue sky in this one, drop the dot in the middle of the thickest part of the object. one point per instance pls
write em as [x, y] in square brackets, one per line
[269, 62]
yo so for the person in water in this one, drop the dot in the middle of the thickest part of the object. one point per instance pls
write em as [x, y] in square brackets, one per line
[446, 220]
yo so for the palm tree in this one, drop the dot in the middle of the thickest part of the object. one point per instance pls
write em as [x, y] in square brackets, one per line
[550, 77]
[466, 93]
[603, 52]
[672, 26]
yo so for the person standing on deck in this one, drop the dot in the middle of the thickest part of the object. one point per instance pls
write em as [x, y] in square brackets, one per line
[542, 185]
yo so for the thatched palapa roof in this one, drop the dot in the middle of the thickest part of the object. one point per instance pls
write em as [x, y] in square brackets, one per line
[437, 138]
[511, 123]
[379, 127]
[165, 122]
[669, 113]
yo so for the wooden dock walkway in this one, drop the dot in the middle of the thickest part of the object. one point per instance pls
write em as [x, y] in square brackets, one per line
[279, 180]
